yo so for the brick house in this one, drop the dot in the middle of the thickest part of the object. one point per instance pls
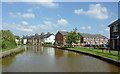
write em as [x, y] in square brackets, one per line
[60, 38]
[40, 39]
[94, 39]
[115, 34]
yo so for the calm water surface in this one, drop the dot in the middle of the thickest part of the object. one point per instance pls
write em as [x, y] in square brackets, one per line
[48, 59]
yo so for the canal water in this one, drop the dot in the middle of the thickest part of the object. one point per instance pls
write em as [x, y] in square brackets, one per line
[48, 59]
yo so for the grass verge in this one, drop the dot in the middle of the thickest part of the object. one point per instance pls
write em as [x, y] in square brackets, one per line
[113, 55]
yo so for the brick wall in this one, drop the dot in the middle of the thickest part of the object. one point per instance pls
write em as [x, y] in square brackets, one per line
[59, 38]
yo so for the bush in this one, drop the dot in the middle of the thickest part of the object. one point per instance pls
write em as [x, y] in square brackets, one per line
[4, 44]
[7, 39]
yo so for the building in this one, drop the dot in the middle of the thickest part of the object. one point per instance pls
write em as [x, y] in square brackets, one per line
[115, 34]
[60, 38]
[94, 39]
[40, 39]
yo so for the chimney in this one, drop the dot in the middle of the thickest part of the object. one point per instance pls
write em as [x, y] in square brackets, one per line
[42, 33]
[36, 34]
[48, 33]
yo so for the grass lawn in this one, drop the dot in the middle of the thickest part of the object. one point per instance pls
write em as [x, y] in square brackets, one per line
[113, 55]
[8, 48]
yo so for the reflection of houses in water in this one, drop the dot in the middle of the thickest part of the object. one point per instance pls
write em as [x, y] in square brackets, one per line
[59, 52]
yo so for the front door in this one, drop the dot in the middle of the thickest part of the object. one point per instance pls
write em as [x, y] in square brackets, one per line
[115, 44]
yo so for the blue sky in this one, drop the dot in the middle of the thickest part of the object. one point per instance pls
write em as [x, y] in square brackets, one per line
[30, 18]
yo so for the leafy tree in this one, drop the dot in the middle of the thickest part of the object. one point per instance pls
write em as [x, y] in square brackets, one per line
[22, 41]
[17, 37]
[27, 41]
[7, 39]
[73, 37]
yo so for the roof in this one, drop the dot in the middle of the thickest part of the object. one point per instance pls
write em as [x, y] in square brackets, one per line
[85, 35]
[115, 22]
[63, 33]
[38, 37]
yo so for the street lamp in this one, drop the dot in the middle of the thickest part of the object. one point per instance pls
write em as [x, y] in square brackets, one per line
[118, 45]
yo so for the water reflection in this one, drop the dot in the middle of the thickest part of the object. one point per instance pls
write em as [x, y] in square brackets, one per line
[48, 59]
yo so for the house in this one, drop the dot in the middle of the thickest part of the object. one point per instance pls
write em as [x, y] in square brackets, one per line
[49, 38]
[60, 38]
[115, 34]
[17, 41]
[40, 39]
[94, 39]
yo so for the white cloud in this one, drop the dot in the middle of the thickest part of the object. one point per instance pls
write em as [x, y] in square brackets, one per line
[62, 22]
[83, 28]
[24, 23]
[25, 30]
[28, 15]
[49, 25]
[25, 15]
[89, 27]
[95, 11]
[30, 10]
[107, 30]
[17, 27]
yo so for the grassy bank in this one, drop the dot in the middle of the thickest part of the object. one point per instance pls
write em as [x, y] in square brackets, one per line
[8, 48]
[113, 55]
[12, 51]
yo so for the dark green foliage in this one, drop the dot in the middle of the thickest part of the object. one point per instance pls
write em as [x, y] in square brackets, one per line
[22, 41]
[19, 42]
[47, 43]
[17, 37]
[27, 41]
[7, 39]
[73, 37]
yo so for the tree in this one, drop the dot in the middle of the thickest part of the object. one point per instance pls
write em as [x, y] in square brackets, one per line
[73, 37]
[17, 37]
[22, 41]
[7, 39]
[27, 41]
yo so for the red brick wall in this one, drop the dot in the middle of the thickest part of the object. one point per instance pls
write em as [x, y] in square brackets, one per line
[114, 33]
[59, 37]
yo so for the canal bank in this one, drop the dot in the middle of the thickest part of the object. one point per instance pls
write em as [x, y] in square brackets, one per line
[11, 52]
[112, 61]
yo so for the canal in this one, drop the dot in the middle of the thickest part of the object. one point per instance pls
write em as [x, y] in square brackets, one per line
[48, 59]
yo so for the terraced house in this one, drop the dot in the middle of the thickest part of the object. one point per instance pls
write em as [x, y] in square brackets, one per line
[40, 39]
[115, 34]
[94, 39]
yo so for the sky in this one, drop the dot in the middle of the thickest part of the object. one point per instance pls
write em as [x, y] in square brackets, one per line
[28, 18]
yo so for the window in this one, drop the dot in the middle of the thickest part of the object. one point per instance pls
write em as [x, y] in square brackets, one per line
[115, 28]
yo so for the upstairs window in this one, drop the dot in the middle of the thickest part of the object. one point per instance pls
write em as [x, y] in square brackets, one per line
[116, 28]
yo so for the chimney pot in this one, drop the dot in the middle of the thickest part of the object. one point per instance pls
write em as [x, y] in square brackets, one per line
[42, 33]
[48, 33]
[36, 34]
